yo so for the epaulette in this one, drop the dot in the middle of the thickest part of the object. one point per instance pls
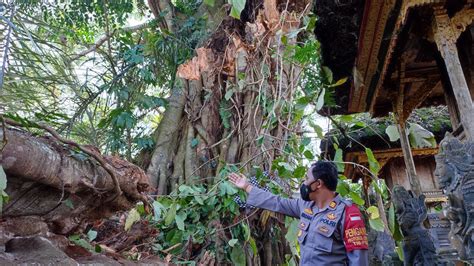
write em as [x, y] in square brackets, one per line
[347, 202]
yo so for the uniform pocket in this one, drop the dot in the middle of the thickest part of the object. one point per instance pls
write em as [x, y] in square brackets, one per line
[302, 230]
[323, 239]
[323, 243]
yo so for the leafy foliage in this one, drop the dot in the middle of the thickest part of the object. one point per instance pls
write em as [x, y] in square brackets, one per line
[113, 96]
[419, 137]
[3, 186]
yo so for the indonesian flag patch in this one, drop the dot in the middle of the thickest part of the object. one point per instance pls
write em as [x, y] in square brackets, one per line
[355, 217]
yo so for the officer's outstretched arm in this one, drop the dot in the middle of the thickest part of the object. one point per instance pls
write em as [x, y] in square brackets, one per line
[266, 200]
[355, 237]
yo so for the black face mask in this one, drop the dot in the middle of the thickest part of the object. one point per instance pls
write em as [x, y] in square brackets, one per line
[305, 190]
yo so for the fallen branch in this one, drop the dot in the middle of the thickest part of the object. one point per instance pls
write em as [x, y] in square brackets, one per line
[95, 155]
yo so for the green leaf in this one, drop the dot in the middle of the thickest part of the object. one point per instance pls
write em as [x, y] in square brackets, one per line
[377, 188]
[392, 132]
[210, 3]
[3, 179]
[338, 160]
[399, 250]
[292, 233]
[356, 198]
[232, 242]
[299, 172]
[373, 212]
[308, 154]
[225, 114]
[310, 23]
[237, 7]
[391, 218]
[141, 209]
[238, 256]
[377, 224]
[260, 140]
[317, 129]
[98, 249]
[3, 185]
[342, 188]
[420, 137]
[180, 221]
[360, 124]
[132, 217]
[91, 235]
[320, 102]
[69, 204]
[339, 82]
[246, 231]
[393, 224]
[253, 245]
[194, 142]
[374, 166]
[171, 214]
[157, 209]
[199, 199]
[328, 74]
[346, 118]
[228, 94]
[305, 141]
[227, 189]
[77, 240]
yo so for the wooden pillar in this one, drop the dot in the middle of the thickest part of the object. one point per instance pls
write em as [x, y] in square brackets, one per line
[446, 34]
[408, 158]
[401, 117]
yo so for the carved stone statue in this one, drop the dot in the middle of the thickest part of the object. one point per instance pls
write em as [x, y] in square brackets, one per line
[455, 172]
[418, 247]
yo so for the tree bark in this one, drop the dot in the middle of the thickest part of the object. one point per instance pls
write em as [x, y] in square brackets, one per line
[43, 175]
[234, 92]
[219, 113]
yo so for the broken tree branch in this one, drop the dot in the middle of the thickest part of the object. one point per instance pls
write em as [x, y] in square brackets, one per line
[93, 154]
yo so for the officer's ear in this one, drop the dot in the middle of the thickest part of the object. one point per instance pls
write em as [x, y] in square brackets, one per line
[317, 184]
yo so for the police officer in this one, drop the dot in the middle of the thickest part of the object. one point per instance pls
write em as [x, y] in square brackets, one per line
[331, 228]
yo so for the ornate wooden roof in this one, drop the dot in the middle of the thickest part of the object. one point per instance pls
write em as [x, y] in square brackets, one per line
[395, 52]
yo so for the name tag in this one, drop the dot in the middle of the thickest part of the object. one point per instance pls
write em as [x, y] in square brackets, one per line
[329, 222]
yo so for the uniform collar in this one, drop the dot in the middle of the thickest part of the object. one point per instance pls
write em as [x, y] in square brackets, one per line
[332, 204]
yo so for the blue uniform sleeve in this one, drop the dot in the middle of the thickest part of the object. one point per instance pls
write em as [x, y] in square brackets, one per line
[358, 257]
[267, 200]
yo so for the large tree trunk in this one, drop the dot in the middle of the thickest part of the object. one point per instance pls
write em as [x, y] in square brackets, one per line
[48, 179]
[232, 103]
[234, 91]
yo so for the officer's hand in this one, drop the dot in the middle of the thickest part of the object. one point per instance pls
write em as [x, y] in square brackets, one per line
[239, 180]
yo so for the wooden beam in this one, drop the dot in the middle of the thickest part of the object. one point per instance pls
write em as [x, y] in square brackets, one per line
[446, 33]
[419, 97]
[391, 153]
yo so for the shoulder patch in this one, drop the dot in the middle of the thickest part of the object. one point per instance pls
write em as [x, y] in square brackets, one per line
[347, 202]
[355, 234]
